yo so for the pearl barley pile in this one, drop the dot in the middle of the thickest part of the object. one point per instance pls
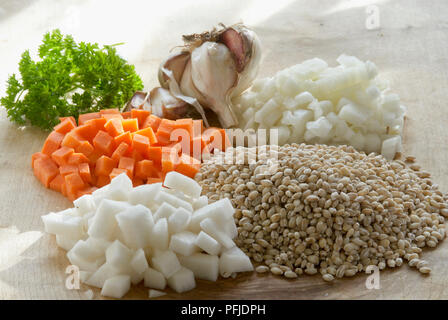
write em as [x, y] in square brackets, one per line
[328, 209]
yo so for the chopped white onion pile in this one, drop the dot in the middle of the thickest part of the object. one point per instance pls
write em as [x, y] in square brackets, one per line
[314, 103]
[162, 235]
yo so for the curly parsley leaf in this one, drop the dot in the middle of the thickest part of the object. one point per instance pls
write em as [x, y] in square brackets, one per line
[69, 79]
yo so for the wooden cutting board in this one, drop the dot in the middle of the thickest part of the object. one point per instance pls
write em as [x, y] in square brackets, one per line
[409, 49]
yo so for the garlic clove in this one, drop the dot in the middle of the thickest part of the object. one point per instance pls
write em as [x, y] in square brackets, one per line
[176, 63]
[253, 58]
[214, 74]
[238, 46]
[165, 105]
[187, 86]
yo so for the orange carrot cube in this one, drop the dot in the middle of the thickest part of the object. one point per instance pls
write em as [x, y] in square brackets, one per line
[104, 142]
[65, 126]
[127, 164]
[52, 143]
[62, 155]
[120, 151]
[140, 115]
[140, 143]
[83, 118]
[84, 172]
[117, 171]
[104, 166]
[153, 122]
[85, 148]
[45, 170]
[130, 125]
[124, 137]
[114, 127]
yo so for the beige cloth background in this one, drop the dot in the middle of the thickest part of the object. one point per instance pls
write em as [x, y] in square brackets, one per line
[410, 49]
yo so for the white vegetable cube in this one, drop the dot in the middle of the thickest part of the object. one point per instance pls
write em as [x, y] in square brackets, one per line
[155, 293]
[164, 211]
[373, 92]
[63, 224]
[120, 187]
[268, 114]
[268, 89]
[182, 280]
[154, 279]
[316, 65]
[342, 102]
[319, 128]
[220, 210]
[159, 236]
[210, 227]
[353, 114]
[103, 273]
[180, 195]
[326, 106]
[85, 250]
[84, 204]
[118, 255]
[304, 99]
[65, 243]
[116, 287]
[247, 99]
[136, 224]
[163, 196]
[178, 181]
[204, 266]
[229, 228]
[390, 147]
[234, 260]
[321, 108]
[104, 223]
[100, 194]
[297, 119]
[82, 263]
[166, 262]
[372, 143]
[349, 61]
[288, 85]
[98, 244]
[279, 135]
[358, 141]
[183, 243]
[136, 277]
[200, 202]
[144, 194]
[290, 103]
[139, 262]
[207, 243]
[248, 114]
[179, 220]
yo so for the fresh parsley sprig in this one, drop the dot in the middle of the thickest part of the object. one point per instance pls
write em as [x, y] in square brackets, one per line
[69, 79]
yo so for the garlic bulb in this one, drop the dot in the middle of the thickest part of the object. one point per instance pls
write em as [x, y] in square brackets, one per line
[214, 67]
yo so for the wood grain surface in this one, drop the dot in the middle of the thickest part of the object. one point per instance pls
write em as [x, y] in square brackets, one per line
[410, 49]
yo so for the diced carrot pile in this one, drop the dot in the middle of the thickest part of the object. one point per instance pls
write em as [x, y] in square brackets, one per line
[77, 159]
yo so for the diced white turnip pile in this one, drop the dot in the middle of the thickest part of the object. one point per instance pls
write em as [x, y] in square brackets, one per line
[162, 235]
[314, 103]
